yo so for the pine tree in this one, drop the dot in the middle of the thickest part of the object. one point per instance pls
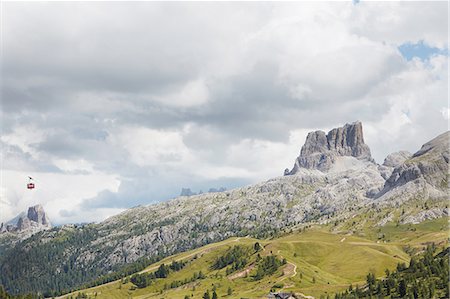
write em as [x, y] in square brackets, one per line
[206, 295]
[402, 288]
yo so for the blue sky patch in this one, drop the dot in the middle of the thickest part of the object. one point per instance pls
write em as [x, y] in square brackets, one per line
[420, 50]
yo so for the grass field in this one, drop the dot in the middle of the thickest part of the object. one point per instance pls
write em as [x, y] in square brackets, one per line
[319, 262]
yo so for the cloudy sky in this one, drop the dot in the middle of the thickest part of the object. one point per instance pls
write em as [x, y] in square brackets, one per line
[112, 105]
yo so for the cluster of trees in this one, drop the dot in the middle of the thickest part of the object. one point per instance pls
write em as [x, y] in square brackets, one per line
[124, 271]
[4, 295]
[60, 256]
[46, 259]
[207, 295]
[425, 277]
[145, 279]
[267, 266]
[236, 257]
[177, 283]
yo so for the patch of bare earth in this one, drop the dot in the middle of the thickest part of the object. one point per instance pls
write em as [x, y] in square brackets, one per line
[242, 273]
[289, 271]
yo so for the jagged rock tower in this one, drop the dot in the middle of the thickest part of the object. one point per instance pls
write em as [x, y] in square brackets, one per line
[35, 220]
[320, 150]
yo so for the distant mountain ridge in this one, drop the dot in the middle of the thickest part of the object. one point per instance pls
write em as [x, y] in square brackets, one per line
[189, 192]
[320, 190]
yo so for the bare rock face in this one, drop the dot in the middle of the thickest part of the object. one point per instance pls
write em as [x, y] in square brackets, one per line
[396, 159]
[35, 220]
[428, 166]
[321, 150]
[38, 215]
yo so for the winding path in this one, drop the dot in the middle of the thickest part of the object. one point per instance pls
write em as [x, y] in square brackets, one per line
[150, 269]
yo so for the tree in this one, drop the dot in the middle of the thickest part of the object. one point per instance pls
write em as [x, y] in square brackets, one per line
[206, 295]
[214, 295]
[230, 291]
[402, 288]
[162, 271]
[257, 247]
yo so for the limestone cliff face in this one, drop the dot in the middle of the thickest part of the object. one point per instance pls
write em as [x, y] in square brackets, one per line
[37, 214]
[320, 150]
[397, 158]
[35, 220]
[350, 186]
[429, 165]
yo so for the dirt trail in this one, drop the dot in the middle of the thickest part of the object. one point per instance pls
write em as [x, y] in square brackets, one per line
[242, 273]
[306, 296]
[291, 271]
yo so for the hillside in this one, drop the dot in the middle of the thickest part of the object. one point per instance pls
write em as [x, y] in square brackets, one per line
[318, 262]
[334, 182]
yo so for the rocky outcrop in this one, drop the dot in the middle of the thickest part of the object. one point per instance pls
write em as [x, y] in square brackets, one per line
[35, 220]
[38, 215]
[430, 165]
[186, 192]
[425, 215]
[397, 158]
[348, 188]
[321, 150]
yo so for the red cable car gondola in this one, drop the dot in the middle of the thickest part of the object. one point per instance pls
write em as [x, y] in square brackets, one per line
[30, 184]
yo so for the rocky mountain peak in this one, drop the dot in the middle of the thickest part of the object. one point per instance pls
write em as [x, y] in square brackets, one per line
[34, 220]
[320, 150]
[37, 214]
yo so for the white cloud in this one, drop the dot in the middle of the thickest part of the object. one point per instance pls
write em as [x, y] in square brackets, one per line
[78, 165]
[415, 98]
[24, 136]
[193, 93]
[54, 191]
[445, 112]
[400, 22]
[149, 147]
[143, 105]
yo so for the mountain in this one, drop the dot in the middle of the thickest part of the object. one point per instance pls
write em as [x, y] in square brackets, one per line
[427, 167]
[188, 191]
[26, 224]
[333, 180]
[397, 158]
[318, 262]
[321, 150]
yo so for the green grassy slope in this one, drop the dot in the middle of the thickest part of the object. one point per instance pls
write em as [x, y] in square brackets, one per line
[318, 262]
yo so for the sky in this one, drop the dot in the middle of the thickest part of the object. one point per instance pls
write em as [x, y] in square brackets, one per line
[110, 105]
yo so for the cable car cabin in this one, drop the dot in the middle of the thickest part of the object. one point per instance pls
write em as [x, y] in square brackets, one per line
[30, 185]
